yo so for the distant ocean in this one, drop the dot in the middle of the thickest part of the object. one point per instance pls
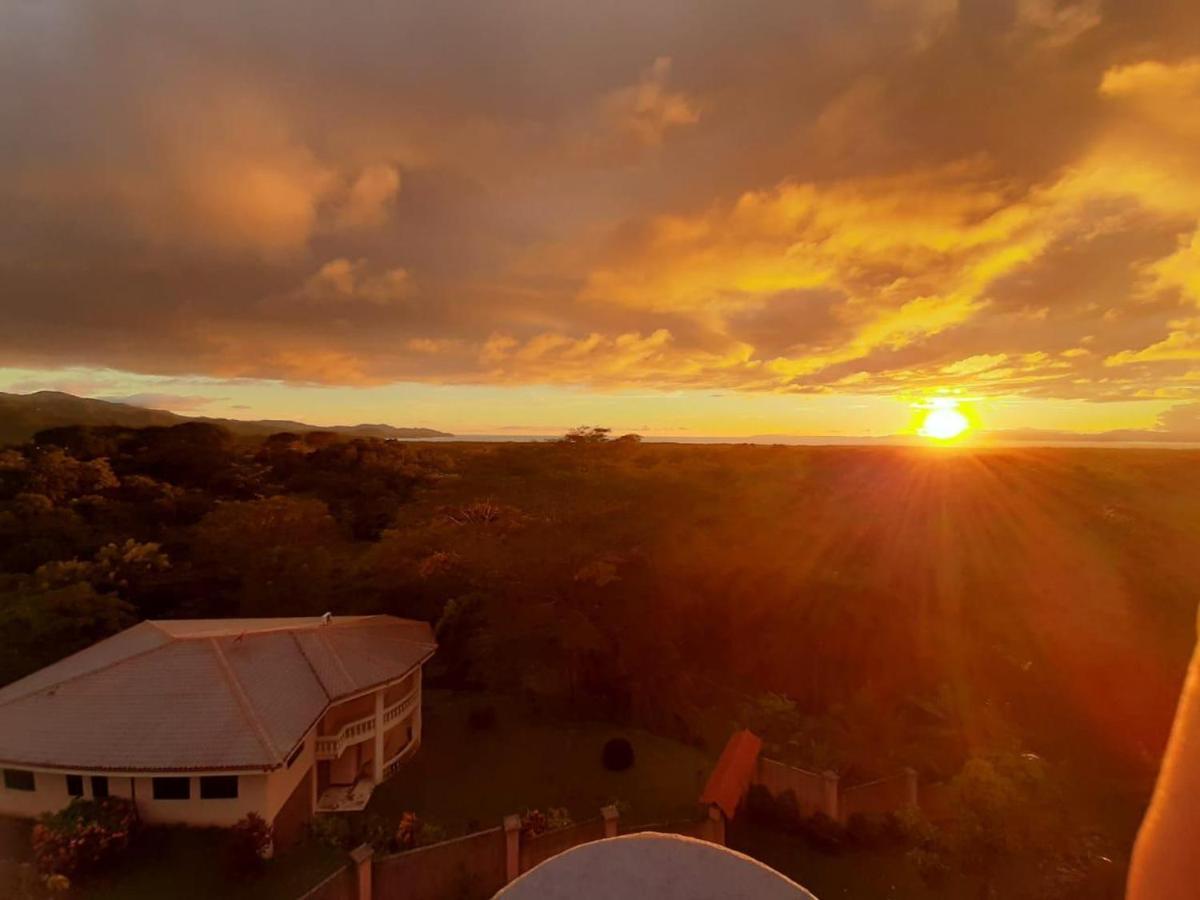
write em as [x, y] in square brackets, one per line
[811, 441]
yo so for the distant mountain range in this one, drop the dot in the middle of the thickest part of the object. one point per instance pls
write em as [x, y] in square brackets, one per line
[24, 415]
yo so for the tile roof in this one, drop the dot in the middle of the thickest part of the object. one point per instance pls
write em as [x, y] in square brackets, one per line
[733, 773]
[201, 694]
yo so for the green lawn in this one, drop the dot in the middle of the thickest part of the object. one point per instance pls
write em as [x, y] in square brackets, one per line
[186, 864]
[463, 777]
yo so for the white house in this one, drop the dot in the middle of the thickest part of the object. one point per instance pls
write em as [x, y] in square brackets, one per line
[202, 721]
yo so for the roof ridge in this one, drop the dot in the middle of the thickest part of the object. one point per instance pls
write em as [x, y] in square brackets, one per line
[314, 624]
[244, 702]
[337, 658]
[316, 675]
[84, 674]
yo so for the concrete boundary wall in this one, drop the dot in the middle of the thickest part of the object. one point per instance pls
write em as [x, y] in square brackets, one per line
[466, 866]
[815, 792]
[703, 829]
[534, 850]
[479, 864]
[879, 797]
[341, 885]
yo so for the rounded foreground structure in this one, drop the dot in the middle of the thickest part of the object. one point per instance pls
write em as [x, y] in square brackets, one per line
[652, 866]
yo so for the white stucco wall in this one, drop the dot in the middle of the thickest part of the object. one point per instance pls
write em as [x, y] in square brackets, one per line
[281, 783]
[50, 795]
[252, 797]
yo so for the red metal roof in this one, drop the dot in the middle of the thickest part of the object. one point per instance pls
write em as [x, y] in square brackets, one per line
[733, 773]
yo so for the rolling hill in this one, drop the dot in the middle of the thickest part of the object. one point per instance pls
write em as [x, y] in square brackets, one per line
[24, 415]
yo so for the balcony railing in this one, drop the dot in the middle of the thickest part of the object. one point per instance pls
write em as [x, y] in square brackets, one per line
[400, 709]
[390, 767]
[330, 746]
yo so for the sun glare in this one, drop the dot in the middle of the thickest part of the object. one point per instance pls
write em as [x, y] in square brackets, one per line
[944, 424]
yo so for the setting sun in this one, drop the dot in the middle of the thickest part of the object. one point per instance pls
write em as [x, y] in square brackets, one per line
[944, 424]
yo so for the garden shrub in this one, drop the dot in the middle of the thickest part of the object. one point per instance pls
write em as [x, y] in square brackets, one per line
[332, 831]
[248, 845]
[85, 837]
[760, 805]
[482, 718]
[866, 832]
[406, 831]
[533, 823]
[617, 755]
[787, 810]
[375, 830]
[823, 833]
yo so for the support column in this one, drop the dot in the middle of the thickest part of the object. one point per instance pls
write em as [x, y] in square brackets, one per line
[612, 820]
[716, 828]
[512, 847]
[362, 857]
[829, 794]
[378, 761]
[416, 719]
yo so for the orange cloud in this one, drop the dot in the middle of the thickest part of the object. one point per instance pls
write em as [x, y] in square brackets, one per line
[646, 110]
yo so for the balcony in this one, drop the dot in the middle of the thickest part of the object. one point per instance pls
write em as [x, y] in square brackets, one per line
[331, 746]
[390, 767]
[400, 709]
[342, 798]
[355, 797]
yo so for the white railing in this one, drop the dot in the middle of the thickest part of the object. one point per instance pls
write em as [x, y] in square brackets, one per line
[390, 767]
[401, 709]
[330, 746]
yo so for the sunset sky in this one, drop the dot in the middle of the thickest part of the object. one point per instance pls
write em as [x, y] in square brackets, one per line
[677, 217]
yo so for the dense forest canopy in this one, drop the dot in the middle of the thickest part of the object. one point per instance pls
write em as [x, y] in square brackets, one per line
[863, 608]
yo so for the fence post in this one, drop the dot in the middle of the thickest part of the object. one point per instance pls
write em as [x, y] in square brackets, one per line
[361, 856]
[911, 795]
[829, 794]
[612, 820]
[512, 847]
[717, 828]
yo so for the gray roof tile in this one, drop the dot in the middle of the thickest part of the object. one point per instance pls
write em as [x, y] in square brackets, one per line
[200, 694]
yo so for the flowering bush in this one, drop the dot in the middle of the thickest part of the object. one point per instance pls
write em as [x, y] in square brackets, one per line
[84, 837]
[415, 832]
[535, 822]
[249, 844]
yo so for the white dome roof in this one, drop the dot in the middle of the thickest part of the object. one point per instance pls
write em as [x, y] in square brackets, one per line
[651, 866]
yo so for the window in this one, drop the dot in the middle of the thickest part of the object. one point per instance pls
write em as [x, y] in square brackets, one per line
[19, 780]
[99, 787]
[75, 785]
[295, 754]
[218, 787]
[172, 788]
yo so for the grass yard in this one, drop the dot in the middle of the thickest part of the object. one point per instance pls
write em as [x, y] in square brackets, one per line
[187, 864]
[464, 778]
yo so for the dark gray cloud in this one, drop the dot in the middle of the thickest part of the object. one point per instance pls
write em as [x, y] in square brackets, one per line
[862, 196]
